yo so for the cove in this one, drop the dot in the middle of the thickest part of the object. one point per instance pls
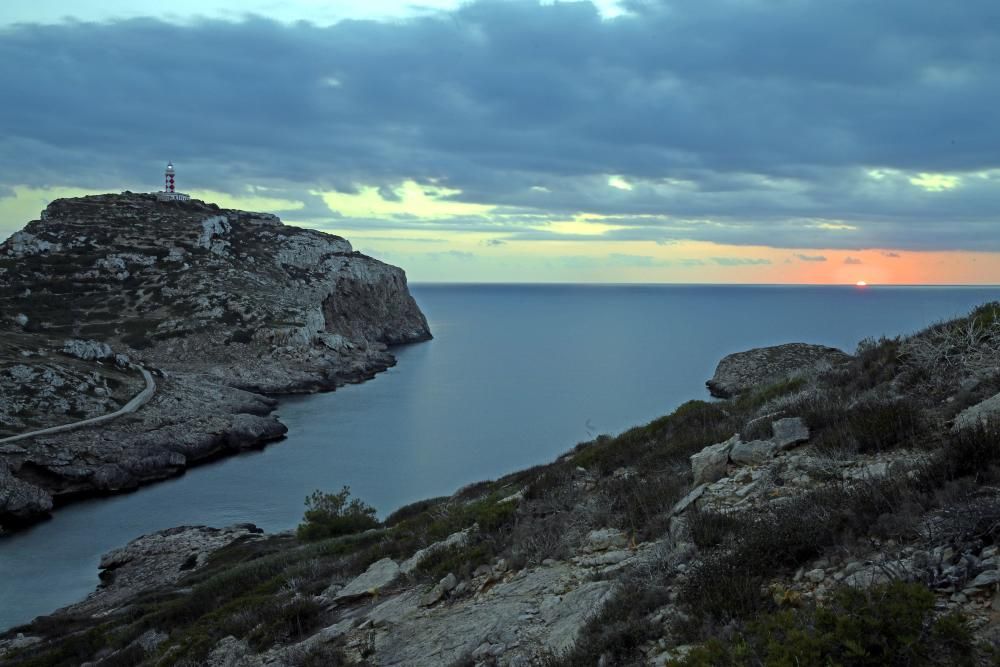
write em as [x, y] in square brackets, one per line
[516, 375]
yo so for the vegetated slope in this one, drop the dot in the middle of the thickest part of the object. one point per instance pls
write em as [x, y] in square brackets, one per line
[852, 519]
[221, 304]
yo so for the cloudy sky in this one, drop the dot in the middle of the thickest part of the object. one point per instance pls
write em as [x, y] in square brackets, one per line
[762, 141]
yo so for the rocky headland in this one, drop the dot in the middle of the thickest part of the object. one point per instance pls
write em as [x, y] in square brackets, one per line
[835, 509]
[221, 308]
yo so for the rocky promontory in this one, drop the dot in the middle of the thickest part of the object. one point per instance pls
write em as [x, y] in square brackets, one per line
[220, 307]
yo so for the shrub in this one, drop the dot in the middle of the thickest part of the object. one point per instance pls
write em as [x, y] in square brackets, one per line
[413, 510]
[335, 514]
[726, 584]
[968, 452]
[616, 634]
[459, 560]
[710, 529]
[661, 442]
[751, 400]
[872, 426]
[890, 624]
[641, 504]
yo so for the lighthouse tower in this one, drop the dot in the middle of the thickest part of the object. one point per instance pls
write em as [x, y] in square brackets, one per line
[169, 193]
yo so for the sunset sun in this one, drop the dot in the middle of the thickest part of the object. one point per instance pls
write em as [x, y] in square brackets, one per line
[861, 283]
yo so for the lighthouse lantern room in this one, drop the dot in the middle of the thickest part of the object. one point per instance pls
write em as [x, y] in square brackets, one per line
[169, 193]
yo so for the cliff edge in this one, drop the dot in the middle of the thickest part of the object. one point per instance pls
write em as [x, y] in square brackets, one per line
[221, 305]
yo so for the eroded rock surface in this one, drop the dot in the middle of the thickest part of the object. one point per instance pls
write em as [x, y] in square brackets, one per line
[741, 371]
[156, 560]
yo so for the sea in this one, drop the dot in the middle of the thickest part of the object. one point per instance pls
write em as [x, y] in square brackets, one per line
[515, 376]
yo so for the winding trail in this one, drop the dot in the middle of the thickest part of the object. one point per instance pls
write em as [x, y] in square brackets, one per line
[137, 402]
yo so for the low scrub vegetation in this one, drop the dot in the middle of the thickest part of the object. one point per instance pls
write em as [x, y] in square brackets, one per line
[887, 625]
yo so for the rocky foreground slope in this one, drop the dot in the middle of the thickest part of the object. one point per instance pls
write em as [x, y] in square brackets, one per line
[223, 306]
[843, 511]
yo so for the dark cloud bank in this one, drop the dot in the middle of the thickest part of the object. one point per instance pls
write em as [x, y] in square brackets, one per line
[734, 121]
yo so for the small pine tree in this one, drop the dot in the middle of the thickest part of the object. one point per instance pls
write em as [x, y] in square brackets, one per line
[335, 514]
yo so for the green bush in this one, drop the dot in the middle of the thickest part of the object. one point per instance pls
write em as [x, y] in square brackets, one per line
[726, 584]
[891, 624]
[662, 442]
[335, 514]
[873, 426]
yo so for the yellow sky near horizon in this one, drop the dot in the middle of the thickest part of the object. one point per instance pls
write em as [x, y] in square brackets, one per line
[440, 255]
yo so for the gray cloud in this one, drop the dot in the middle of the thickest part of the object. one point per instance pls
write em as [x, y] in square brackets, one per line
[754, 123]
[852, 260]
[891, 254]
[811, 258]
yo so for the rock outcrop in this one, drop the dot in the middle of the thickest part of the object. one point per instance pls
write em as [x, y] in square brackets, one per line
[224, 305]
[978, 414]
[156, 560]
[712, 463]
[741, 371]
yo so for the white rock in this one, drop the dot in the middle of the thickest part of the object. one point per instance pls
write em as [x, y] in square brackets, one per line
[378, 575]
[987, 578]
[979, 413]
[754, 452]
[454, 540]
[687, 500]
[816, 576]
[709, 464]
[87, 350]
[604, 539]
[789, 432]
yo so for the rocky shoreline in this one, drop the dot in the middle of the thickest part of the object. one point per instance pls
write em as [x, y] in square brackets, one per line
[855, 491]
[227, 309]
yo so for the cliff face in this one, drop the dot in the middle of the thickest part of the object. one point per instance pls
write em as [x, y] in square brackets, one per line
[220, 303]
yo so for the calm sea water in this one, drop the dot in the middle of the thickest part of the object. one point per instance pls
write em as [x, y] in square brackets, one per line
[515, 376]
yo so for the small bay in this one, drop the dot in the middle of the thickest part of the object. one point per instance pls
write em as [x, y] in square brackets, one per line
[516, 375]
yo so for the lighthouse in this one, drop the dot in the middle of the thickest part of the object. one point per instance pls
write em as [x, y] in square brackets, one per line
[169, 192]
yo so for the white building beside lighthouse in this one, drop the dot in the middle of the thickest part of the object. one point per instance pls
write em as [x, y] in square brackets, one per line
[169, 193]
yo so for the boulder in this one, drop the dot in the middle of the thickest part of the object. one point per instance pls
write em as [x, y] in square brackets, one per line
[88, 350]
[378, 575]
[604, 539]
[685, 502]
[980, 413]
[789, 432]
[442, 588]
[987, 578]
[754, 452]
[458, 539]
[741, 371]
[709, 464]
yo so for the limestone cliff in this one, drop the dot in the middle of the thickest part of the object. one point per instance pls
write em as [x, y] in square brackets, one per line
[222, 304]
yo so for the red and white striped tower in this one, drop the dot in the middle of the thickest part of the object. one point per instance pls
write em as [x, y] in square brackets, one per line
[169, 193]
[169, 178]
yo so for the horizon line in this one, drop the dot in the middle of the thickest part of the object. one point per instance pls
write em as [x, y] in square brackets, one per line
[699, 284]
